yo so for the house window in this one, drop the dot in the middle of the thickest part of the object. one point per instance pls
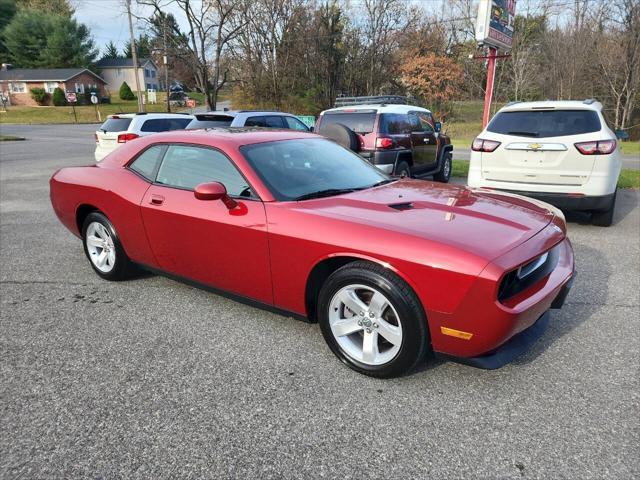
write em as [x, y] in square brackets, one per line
[50, 86]
[147, 73]
[153, 73]
[79, 87]
[19, 87]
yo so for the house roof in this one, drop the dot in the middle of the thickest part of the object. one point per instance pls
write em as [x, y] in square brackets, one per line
[44, 74]
[121, 62]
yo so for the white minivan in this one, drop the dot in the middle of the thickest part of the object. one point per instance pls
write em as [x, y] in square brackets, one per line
[561, 152]
[124, 127]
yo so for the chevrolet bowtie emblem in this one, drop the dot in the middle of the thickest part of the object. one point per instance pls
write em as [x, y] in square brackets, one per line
[534, 146]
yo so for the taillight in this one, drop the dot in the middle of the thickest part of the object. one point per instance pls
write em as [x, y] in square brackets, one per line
[601, 147]
[127, 137]
[384, 142]
[95, 136]
[481, 145]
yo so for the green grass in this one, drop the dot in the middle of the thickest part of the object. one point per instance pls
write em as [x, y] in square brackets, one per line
[630, 148]
[628, 178]
[10, 138]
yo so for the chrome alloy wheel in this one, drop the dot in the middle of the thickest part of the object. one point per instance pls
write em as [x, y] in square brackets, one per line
[447, 167]
[365, 324]
[102, 251]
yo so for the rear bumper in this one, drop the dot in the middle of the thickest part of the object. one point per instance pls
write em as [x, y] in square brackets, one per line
[567, 201]
[102, 152]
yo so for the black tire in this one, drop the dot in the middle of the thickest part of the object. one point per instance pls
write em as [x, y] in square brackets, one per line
[445, 171]
[122, 267]
[403, 169]
[605, 218]
[415, 342]
[341, 135]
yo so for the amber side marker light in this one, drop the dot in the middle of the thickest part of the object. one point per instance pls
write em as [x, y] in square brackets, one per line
[456, 333]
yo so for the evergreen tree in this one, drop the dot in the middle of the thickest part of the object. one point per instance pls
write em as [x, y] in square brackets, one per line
[125, 92]
[143, 47]
[59, 99]
[111, 51]
[36, 39]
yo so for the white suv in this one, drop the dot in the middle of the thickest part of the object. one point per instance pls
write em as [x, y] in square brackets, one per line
[561, 152]
[124, 127]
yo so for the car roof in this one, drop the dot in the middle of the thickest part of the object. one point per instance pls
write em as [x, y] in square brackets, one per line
[554, 104]
[230, 136]
[234, 113]
[151, 115]
[379, 108]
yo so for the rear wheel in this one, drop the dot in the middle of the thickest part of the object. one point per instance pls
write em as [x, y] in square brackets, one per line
[403, 169]
[605, 218]
[372, 320]
[103, 248]
[445, 172]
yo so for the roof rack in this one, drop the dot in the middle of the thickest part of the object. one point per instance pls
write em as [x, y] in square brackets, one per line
[589, 101]
[375, 100]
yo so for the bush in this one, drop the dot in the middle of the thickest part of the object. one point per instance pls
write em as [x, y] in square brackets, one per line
[126, 93]
[39, 95]
[59, 100]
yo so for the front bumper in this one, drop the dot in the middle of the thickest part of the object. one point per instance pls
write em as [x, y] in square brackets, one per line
[487, 325]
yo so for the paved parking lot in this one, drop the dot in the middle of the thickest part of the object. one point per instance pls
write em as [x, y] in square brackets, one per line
[151, 378]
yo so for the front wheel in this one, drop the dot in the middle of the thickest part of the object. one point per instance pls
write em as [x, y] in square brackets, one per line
[103, 248]
[403, 169]
[445, 172]
[372, 320]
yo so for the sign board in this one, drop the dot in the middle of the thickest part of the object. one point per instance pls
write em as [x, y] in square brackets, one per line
[191, 103]
[308, 120]
[71, 97]
[94, 98]
[496, 22]
[151, 95]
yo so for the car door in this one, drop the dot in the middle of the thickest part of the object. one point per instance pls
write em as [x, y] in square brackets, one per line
[419, 144]
[430, 140]
[204, 240]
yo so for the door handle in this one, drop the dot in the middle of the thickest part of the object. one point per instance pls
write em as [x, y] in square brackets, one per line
[157, 200]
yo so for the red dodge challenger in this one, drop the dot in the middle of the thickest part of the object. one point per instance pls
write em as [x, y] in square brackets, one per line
[392, 269]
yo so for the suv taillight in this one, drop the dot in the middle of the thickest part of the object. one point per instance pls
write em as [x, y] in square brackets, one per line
[384, 142]
[481, 145]
[126, 137]
[601, 147]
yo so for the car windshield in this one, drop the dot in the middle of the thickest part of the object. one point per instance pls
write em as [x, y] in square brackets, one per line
[310, 168]
[545, 123]
[359, 122]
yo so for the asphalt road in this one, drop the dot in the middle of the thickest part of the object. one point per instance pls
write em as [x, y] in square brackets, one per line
[151, 378]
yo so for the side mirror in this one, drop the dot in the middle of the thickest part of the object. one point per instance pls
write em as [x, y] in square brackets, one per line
[214, 191]
[437, 127]
[311, 129]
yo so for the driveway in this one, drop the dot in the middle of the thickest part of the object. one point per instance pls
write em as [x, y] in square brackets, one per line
[151, 378]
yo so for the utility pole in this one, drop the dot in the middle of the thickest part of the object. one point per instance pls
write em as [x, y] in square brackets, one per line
[134, 53]
[164, 59]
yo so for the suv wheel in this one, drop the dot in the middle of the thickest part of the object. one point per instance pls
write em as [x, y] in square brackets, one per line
[445, 171]
[403, 169]
[605, 218]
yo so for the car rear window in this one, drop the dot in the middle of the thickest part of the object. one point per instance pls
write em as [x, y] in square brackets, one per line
[545, 123]
[210, 121]
[164, 124]
[115, 124]
[359, 122]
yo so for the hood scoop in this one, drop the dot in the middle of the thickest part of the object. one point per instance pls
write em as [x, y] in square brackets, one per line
[402, 206]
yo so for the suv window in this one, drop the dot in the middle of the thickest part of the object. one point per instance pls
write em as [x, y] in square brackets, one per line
[210, 121]
[359, 122]
[545, 123]
[186, 167]
[395, 123]
[147, 162]
[164, 124]
[295, 124]
[272, 121]
[425, 122]
[115, 125]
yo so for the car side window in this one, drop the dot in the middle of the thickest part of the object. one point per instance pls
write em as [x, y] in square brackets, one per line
[395, 123]
[178, 123]
[416, 126]
[255, 122]
[425, 122]
[187, 167]
[295, 124]
[155, 125]
[147, 162]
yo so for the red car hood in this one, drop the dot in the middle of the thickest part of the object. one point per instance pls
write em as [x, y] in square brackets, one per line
[484, 223]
